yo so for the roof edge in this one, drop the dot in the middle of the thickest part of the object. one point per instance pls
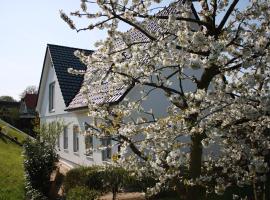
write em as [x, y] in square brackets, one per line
[76, 109]
[70, 47]
[42, 73]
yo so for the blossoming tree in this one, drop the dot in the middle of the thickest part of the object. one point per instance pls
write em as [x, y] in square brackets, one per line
[228, 110]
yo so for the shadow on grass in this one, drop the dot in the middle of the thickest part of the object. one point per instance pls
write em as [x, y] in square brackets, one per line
[3, 138]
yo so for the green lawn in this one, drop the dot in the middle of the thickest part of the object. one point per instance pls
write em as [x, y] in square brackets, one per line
[11, 165]
[11, 171]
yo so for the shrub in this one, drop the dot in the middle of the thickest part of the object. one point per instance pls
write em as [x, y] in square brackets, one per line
[96, 178]
[39, 162]
[90, 177]
[82, 193]
[136, 184]
[114, 178]
[105, 179]
[33, 194]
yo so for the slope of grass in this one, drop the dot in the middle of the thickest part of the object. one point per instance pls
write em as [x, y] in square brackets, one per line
[11, 171]
[12, 132]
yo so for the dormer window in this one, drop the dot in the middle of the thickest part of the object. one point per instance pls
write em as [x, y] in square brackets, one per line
[51, 96]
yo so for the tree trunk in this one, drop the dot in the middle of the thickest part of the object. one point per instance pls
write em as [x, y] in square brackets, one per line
[114, 194]
[195, 192]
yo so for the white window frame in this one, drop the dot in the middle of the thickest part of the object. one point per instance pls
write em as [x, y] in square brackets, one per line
[75, 138]
[52, 96]
[65, 138]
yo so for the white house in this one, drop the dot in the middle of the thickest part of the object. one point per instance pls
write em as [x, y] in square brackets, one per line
[56, 91]
[60, 97]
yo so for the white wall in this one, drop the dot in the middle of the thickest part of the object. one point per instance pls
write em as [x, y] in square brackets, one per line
[69, 118]
[49, 77]
[68, 155]
[157, 100]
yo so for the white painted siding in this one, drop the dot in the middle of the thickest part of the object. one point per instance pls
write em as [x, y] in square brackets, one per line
[76, 158]
[59, 105]
[69, 118]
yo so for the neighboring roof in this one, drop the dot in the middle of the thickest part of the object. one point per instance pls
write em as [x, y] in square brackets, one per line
[63, 58]
[30, 100]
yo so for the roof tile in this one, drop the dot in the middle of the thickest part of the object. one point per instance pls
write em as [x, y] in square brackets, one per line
[62, 59]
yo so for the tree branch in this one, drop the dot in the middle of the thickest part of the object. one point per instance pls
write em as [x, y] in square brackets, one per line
[227, 15]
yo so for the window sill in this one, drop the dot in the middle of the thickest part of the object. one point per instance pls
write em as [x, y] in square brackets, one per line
[66, 150]
[76, 153]
[51, 111]
[89, 158]
[107, 160]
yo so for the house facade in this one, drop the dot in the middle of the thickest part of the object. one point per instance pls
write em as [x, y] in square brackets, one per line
[56, 90]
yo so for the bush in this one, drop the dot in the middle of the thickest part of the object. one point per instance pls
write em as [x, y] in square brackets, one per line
[90, 177]
[39, 162]
[34, 194]
[96, 178]
[114, 178]
[82, 193]
[135, 184]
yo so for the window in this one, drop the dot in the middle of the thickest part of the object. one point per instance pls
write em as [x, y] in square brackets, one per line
[51, 96]
[89, 145]
[88, 139]
[107, 152]
[75, 138]
[65, 136]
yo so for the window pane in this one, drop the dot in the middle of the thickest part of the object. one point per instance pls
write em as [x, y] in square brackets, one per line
[89, 145]
[103, 154]
[106, 153]
[88, 141]
[109, 153]
[75, 138]
[65, 137]
[51, 96]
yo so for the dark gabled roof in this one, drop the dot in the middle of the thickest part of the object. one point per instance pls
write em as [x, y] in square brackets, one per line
[62, 59]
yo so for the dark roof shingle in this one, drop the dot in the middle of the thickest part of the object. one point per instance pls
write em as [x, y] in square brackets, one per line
[62, 59]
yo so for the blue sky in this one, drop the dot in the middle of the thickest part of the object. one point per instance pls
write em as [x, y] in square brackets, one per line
[25, 29]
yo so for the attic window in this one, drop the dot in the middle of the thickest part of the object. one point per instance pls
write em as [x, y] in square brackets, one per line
[51, 96]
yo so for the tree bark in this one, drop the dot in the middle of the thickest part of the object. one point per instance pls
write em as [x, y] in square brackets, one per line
[114, 193]
[195, 192]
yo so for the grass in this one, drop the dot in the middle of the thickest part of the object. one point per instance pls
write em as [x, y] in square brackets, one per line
[12, 132]
[11, 171]
[11, 164]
